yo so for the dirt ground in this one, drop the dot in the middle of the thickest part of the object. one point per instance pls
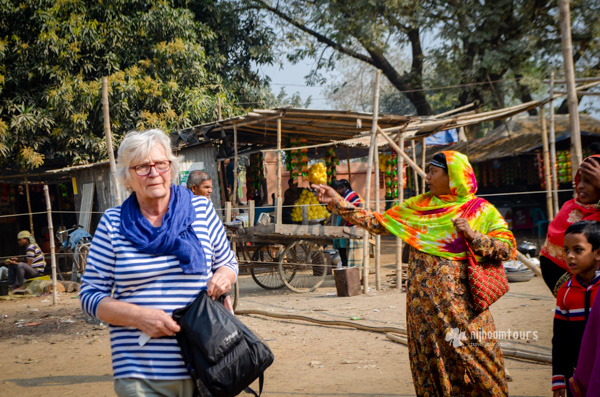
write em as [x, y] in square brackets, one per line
[54, 350]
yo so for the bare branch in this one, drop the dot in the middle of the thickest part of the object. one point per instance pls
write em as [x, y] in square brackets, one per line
[320, 38]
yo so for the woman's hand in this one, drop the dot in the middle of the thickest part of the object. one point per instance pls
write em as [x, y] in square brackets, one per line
[155, 323]
[591, 170]
[462, 226]
[325, 194]
[220, 283]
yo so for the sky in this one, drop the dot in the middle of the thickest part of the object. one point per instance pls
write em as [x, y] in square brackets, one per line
[291, 77]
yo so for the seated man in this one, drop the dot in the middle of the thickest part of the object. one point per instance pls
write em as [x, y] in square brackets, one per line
[32, 265]
[290, 197]
[200, 183]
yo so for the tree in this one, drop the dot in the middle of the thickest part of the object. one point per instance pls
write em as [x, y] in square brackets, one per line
[53, 55]
[352, 89]
[487, 52]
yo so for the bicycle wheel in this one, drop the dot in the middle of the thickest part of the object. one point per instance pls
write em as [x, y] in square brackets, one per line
[305, 261]
[266, 275]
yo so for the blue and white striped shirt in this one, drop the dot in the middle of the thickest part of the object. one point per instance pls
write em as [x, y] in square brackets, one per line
[154, 281]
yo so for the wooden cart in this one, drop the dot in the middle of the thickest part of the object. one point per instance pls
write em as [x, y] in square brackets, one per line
[279, 255]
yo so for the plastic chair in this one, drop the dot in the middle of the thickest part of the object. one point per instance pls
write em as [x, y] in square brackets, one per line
[539, 221]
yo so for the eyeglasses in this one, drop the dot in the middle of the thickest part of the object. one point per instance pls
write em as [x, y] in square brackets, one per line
[160, 166]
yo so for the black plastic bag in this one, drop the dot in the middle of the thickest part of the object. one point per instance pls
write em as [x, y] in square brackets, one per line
[222, 355]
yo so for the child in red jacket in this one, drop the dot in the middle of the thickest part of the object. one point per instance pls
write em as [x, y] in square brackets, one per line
[574, 300]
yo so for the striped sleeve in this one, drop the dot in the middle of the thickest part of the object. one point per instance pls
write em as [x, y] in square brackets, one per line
[99, 271]
[223, 255]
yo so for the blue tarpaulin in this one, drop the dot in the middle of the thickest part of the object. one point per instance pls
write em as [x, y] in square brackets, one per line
[442, 137]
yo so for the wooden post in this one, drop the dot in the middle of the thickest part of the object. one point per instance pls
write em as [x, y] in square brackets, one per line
[423, 159]
[235, 195]
[414, 159]
[304, 214]
[227, 211]
[400, 165]
[251, 213]
[372, 151]
[406, 158]
[279, 201]
[109, 146]
[348, 160]
[29, 207]
[52, 248]
[223, 182]
[553, 147]
[219, 108]
[567, 51]
[378, 209]
[549, 207]
[278, 210]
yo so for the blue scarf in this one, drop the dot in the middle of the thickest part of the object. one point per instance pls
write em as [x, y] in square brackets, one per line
[174, 237]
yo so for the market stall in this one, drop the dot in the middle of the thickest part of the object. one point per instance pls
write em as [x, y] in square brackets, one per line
[286, 132]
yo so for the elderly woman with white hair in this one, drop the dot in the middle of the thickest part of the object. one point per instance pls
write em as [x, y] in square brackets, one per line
[149, 256]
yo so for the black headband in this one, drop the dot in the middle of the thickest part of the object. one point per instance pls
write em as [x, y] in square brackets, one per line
[439, 160]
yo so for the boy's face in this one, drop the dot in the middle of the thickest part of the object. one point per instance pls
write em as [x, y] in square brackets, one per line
[581, 258]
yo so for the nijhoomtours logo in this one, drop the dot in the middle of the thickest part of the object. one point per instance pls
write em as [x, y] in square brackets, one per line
[456, 337]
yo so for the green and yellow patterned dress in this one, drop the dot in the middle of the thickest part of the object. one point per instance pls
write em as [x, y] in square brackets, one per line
[453, 348]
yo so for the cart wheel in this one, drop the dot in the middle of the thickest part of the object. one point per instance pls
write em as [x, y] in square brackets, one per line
[267, 276]
[305, 262]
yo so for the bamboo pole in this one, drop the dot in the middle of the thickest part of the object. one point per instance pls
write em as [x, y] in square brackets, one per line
[372, 150]
[378, 209]
[278, 208]
[553, 147]
[223, 182]
[400, 173]
[423, 158]
[549, 207]
[235, 195]
[396, 334]
[348, 160]
[532, 266]
[405, 156]
[453, 111]
[29, 206]
[227, 211]
[251, 212]
[109, 145]
[52, 248]
[414, 159]
[507, 352]
[567, 51]
[219, 115]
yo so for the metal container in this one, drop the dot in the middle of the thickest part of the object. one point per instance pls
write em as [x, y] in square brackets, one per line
[3, 288]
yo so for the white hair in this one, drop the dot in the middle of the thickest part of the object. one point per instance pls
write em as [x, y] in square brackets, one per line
[136, 146]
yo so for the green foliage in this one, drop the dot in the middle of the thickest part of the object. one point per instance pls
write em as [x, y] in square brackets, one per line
[493, 53]
[163, 60]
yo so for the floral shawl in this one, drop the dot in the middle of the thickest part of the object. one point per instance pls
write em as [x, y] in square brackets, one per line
[425, 221]
[572, 211]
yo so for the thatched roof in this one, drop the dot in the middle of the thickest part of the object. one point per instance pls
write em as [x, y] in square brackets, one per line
[259, 127]
[521, 135]
[257, 130]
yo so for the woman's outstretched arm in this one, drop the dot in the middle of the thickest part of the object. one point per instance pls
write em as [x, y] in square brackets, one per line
[360, 217]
